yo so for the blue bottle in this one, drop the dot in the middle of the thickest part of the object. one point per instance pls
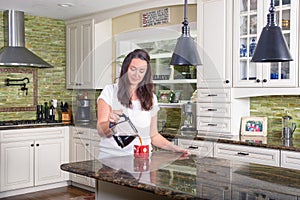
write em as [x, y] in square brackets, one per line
[252, 47]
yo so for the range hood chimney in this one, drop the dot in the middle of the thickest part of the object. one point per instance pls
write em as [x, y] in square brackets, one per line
[14, 52]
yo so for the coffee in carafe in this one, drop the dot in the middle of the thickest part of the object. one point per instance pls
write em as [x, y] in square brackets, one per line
[124, 132]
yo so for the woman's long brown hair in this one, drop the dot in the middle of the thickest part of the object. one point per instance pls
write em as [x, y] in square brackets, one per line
[145, 87]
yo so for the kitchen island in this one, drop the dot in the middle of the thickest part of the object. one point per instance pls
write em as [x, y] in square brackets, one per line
[167, 175]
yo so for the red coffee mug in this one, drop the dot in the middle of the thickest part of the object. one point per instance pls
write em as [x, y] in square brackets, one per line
[141, 151]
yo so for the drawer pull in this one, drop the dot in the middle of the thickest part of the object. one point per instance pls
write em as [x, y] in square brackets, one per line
[79, 133]
[212, 109]
[243, 154]
[193, 147]
[212, 124]
[212, 95]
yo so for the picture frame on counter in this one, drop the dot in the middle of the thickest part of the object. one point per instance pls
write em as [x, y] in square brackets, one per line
[254, 126]
[164, 96]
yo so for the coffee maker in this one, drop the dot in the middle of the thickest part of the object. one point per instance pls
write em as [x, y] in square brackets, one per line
[83, 114]
[188, 118]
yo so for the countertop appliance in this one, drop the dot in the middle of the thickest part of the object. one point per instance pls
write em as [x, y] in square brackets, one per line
[189, 118]
[83, 114]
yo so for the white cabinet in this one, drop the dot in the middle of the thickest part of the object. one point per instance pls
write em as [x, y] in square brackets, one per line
[17, 165]
[247, 154]
[84, 146]
[200, 148]
[89, 54]
[290, 159]
[32, 157]
[249, 18]
[218, 114]
[215, 37]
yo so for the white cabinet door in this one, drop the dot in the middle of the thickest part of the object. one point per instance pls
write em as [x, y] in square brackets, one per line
[73, 60]
[89, 54]
[249, 18]
[49, 155]
[16, 165]
[290, 159]
[79, 46]
[80, 152]
[247, 154]
[214, 36]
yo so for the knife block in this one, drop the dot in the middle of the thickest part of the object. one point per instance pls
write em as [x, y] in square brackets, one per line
[66, 117]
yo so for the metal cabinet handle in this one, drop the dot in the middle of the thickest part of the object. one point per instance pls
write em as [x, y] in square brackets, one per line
[212, 95]
[212, 109]
[257, 80]
[86, 144]
[243, 154]
[80, 133]
[193, 147]
[37, 145]
[265, 80]
[227, 81]
[212, 124]
[32, 145]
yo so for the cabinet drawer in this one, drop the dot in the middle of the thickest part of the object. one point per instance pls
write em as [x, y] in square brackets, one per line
[247, 154]
[213, 95]
[213, 124]
[214, 109]
[290, 159]
[200, 148]
[83, 133]
[36, 133]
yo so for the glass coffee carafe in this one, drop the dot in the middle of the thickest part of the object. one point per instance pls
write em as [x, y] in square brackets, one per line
[124, 132]
[288, 126]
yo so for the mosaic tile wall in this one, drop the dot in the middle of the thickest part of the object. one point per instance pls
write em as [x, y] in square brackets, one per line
[46, 38]
[274, 107]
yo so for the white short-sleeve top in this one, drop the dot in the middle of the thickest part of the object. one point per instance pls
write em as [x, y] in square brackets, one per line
[141, 120]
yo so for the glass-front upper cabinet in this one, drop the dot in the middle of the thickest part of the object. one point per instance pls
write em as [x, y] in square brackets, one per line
[160, 44]
[250, 18]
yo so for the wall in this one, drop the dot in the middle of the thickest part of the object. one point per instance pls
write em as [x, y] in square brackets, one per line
[46, 38]
[132, 21]
[274, 107]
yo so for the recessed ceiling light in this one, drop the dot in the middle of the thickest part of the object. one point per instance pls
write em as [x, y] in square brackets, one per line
[65, 5]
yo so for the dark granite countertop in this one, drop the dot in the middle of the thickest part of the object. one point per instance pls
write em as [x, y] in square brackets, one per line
[256, 141]
[169, 175]
[41, 125]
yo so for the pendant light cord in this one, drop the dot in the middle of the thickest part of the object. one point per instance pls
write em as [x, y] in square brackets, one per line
[272, 15]
[185, 27]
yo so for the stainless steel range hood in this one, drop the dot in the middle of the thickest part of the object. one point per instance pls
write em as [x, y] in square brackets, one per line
[14, 52]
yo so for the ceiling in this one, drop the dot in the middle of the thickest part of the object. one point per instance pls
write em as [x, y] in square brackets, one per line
[50, 8]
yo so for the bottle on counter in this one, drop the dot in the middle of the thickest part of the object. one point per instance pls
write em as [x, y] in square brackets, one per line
[51, 111]
[46, 111]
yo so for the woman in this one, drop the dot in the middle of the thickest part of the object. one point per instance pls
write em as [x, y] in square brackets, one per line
[133, 96]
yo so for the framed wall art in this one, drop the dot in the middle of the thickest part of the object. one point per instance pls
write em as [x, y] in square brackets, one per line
[254, 126]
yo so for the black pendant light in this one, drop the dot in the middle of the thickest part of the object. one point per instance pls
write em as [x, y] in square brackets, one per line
[271, 46]
[185, 53]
